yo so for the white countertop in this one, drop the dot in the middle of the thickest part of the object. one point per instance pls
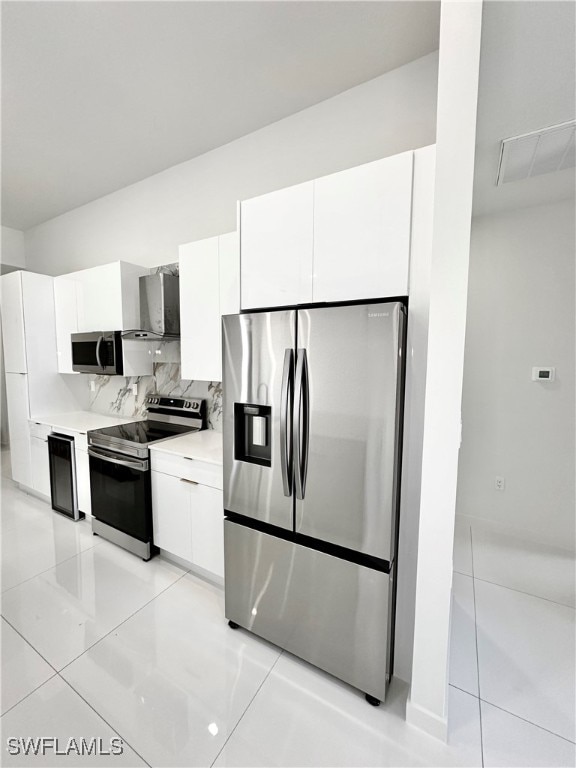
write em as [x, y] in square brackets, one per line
[202, 446]
[80, 421]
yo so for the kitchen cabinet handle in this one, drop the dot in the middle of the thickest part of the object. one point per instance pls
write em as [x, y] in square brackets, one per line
[191, 482]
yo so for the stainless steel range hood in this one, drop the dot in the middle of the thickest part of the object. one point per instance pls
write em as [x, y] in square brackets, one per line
[159, 307]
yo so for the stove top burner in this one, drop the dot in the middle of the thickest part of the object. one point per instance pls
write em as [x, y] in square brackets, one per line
[167, 417]
[145, 432]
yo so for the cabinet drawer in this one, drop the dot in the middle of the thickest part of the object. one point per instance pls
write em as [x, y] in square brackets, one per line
[40, 431]
[200, 472]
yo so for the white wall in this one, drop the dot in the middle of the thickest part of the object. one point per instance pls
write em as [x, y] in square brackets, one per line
[146, 222]
[521, 312]
[12, 250]
[460, 28]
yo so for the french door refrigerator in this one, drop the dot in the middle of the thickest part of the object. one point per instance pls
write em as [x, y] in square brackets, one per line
[313, 402]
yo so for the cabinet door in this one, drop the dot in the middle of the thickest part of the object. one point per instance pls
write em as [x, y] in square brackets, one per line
[207, 513]
[66, 308]
[100, 298]
[130, 295]
[171, 514]
[276, 242]
[40, 324]
[13, 324]
[362, 231]
[229, 264]
[18, 415]
[83, 481]
[200, 310]
[40, 465]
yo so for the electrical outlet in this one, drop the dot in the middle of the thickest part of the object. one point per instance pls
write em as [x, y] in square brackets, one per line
[499, 483]
[92, 386]
[135, 389]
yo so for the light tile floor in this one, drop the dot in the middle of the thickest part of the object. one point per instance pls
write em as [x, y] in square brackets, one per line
[96, 643]
[513, 643]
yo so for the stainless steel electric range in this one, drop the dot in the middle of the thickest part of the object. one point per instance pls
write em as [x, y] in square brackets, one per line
[120, 479]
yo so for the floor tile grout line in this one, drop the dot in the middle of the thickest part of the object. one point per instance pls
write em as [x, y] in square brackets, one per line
[247, 708]
[458, 688]
[61, 562]
[117, 626]
[30, 644]
[30, 693]
[115, 730]
[530, 722]
[522, 592]
[476, 645]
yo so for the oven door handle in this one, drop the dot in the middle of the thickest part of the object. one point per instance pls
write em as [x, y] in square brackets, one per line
[140, 465]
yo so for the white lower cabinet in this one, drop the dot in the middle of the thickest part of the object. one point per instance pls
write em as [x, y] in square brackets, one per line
[18, 415]
[83, 480]
[40, 465]
[207, 517]
[188, 521]
[171, 515]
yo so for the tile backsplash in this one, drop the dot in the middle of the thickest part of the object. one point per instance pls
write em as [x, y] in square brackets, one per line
[121, 396]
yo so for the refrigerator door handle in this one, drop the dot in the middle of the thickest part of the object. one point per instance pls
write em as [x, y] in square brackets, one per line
[301, 422]
[286, 400]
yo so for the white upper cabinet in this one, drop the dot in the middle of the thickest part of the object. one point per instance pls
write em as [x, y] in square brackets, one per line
[66, 307]
[105, 298]
[13, 324]
[342, 237]
[28, 323]
[209, 288]
[362, 231]
[108, 297]
[277, 236]
[229, 274]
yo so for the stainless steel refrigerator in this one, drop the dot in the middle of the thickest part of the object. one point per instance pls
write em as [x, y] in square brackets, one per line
[313, 403]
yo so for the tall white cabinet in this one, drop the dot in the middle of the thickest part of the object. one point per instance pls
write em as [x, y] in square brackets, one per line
[209, 288]
[338, 238]
[33, 385]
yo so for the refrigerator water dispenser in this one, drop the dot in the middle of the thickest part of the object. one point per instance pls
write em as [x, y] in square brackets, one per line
[252, 434]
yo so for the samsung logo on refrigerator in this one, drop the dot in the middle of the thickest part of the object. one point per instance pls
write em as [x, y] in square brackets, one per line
[378, 314]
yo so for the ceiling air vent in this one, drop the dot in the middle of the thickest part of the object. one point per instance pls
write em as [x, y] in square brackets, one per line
[532, 154]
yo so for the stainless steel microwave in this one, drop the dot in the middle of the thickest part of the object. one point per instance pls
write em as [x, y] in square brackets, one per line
[98, 352]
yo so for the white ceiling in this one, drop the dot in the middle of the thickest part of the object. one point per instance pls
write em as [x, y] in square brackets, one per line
[527, 82]
[98, 95]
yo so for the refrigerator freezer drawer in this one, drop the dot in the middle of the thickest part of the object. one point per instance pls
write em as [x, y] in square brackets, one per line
[325, 610]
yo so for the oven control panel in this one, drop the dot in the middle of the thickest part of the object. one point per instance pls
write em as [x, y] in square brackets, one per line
[175, 403]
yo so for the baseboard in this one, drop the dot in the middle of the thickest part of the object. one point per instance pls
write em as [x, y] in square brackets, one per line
[427, 721]
[32, 492]
[195, 570]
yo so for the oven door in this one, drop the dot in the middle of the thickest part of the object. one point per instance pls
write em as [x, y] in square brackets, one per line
[121, 492]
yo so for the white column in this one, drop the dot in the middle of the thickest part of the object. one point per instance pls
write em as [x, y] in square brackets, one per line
[460, 28]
